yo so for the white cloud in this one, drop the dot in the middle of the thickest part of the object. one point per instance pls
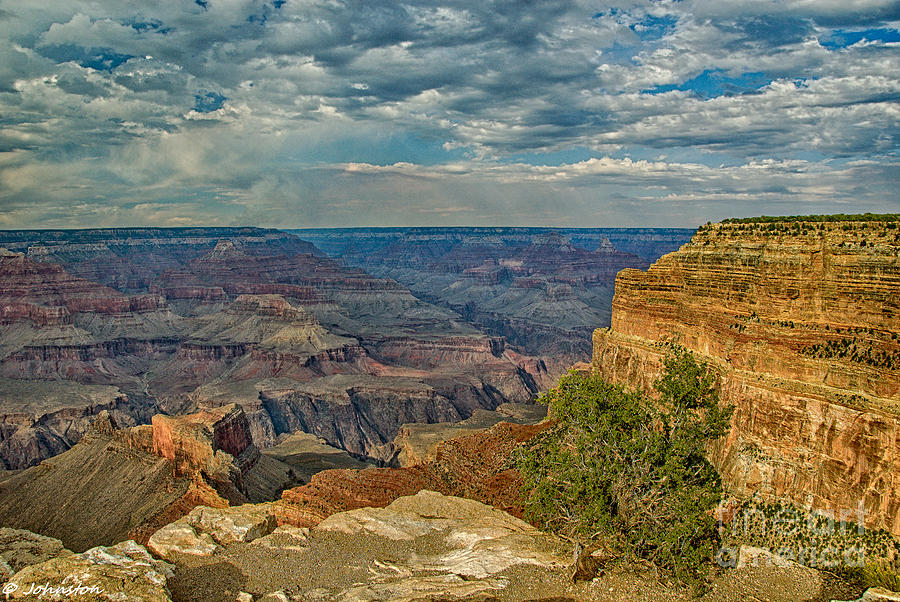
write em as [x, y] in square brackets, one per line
[482, 89]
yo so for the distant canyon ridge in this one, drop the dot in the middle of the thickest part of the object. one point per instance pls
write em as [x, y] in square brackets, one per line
[543, 289]
[344, 334]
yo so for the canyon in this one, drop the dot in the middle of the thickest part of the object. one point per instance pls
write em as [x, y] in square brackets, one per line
[140, 321]
[544, 290]
[199, 321]
[799, 320]
[183, 409]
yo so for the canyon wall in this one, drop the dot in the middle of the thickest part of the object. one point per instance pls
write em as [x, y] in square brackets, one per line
[138, 321]
[800, 321]
[541, 289]
[118, 483]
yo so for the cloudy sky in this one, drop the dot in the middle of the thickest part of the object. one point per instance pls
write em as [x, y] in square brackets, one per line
[297, 113]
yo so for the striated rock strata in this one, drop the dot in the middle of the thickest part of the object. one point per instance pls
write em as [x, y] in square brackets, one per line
[180, 320]
[801, 322]
[42, 419]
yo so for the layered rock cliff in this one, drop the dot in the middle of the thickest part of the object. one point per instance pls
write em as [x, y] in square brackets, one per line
[42, 419]
[129, 259]
[800, 320]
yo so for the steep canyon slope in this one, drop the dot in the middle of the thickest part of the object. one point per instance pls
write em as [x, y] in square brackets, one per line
[800, 318]
[137, 321]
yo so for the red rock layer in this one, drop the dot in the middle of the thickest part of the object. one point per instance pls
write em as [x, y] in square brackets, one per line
[305, 278]
[200, 293]
[474, 466]
[191, 441]
[40, 315]
[24, 282]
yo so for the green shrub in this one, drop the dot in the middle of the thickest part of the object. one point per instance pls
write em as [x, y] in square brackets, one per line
[629, 468]
[882, 573]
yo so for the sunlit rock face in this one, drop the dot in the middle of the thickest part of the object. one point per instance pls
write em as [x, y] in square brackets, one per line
[801, 322]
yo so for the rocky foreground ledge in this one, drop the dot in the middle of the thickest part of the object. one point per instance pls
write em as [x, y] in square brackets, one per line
[373, 534]
[426, 546]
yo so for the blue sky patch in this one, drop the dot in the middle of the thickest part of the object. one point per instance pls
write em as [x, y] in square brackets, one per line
[101, 59]
[653, 28]
[841, 38]
[771, 30]
[207, 102]
[152, 25]
[260, 18]
[713, 83]
[612, 13]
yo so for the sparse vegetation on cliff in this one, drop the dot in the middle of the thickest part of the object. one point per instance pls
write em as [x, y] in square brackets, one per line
[837, 217]
[830, 541]
[854, 350]
[630, 469]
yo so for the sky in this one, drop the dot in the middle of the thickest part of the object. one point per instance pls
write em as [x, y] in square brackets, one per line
[339, 113]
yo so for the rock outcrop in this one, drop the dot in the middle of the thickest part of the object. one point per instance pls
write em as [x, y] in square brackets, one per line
[125, 571]
[484, 541]
[430, 546]
[205, 530]
[127, 483]
[215, 444]
[801, 322]
[420, 547]
[476, 466]
[20, 548]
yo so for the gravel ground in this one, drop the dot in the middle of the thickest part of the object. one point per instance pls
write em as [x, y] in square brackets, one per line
[335, 561]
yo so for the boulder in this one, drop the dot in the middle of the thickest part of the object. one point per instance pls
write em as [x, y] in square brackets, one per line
[204, 530]
[124, 572]
[285, 537]
[880, 594]
[20, 548]
[877, 594]
[181, 538]
[480, 541]
[234, 524]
